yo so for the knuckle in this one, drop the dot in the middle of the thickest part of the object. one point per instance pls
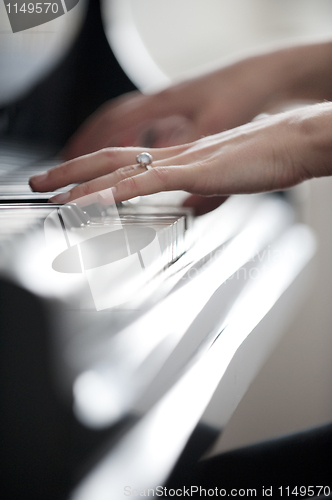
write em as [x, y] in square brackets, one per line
[123, 173]
[129, 183]
[111, 154]
[128, 170]
[162, 174]
[108, 153]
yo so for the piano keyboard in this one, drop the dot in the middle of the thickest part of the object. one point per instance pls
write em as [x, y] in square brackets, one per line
[17, 165]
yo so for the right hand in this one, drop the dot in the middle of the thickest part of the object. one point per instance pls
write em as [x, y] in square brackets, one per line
[223, 99]
[270, 154]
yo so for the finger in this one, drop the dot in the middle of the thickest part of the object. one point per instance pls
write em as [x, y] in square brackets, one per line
[92, 166]
[165, 132]
[106, 181]
[160, 133]
[149, 182]
[82, 169]
[203, 204]
[113, 120]
[117, 123]
[94, 133]
[92, 187]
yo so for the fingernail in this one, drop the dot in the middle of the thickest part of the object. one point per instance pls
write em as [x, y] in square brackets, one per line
[60, 198]
[106, 197]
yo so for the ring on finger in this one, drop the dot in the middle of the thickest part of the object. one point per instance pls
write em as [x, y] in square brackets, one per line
[145, 160]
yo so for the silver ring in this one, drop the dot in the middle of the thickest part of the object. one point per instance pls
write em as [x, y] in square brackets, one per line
[145, 160]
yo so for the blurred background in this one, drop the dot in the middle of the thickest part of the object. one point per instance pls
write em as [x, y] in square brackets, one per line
[156, 42]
